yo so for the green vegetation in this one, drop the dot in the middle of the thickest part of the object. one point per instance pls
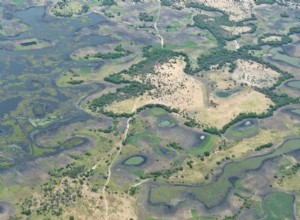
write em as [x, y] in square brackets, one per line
[143, 16]
[284, 39]
[119, 52]
[270, 2]
[73, 142]
[6, 164]
[165, 173]
[210, 166]
[268, 145]
[227, 93]
[133, 88]
[175, 146]
[214, 24]
[278, 205]
[296, 111]
[284, 15]
[203, 7]
[211, 194]
[294, 30]
[75, 82]
[166, 3]
[18, 2]
[134, 161]
[108, 2]
[237, 133]
[68, 8]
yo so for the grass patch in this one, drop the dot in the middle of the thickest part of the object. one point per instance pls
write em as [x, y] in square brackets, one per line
[296, 111]
[134, 161]
[157, 111]
[152, 139]
[278, 205]
[190, 44]
[18, 2]
[206, 146]
[235, 133]
[294, 84]
[37, 151]
[73, 142]
[194, 213]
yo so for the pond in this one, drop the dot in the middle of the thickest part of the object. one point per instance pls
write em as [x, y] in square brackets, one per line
[135, 160]
[294, 84]
[9, 105]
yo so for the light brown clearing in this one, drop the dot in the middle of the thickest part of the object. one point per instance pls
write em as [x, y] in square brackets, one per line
[173, 88]
[254, 74]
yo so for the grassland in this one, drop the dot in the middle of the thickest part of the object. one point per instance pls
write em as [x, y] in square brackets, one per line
[278, 205]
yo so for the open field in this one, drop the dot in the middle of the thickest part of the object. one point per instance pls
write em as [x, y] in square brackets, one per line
[254, 74]
[278, 206]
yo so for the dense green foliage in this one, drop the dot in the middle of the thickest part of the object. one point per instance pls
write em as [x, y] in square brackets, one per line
[175, 146]
[268, 145]
[214, 26]
[119, 52]
[167, 3]
[108, 2]
[166, 108]
[75, 82]
[202, 7]
[270, 2]
[175, 167]
[143, 16]
[285, 39]
[294, 30]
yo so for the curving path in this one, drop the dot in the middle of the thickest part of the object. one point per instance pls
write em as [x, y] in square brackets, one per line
[162, 41]
[120, 145]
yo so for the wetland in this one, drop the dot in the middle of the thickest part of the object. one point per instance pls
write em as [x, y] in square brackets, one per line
[149, 110]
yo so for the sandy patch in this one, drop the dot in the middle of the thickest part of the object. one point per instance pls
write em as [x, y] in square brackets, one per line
[271, 38]
[173, 88]
[237, 10]
[227, 109]
[221, 78]
[254, 74]
[121, 207]
[235, 30]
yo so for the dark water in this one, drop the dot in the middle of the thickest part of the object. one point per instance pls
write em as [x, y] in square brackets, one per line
[9, 105]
